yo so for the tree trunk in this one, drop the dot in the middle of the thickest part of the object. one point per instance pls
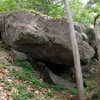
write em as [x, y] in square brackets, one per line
[43, 6]
[97, 37]
[75, 49]
[17, 4]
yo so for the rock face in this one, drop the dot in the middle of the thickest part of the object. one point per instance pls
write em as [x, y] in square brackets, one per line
[88, 33]
[42, 38]
[18, 55]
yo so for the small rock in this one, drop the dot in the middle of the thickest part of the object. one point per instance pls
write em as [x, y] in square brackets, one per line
[18, 55]
[4, 61]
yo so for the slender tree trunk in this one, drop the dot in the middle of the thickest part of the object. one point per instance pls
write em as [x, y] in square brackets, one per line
[76, 55]
[43, 6]
[47, 11]
[17, 4]
[97, 37]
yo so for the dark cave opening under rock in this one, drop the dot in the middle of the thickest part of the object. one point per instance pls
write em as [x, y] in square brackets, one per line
[62, 70]
[59, 70]
[67, 72]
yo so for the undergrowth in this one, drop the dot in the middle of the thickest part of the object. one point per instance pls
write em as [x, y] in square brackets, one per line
[27, 74]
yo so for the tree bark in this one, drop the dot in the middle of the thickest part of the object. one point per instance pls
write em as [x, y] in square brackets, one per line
[75, 49]
[43, 6]
[17, 4]
[97, 37]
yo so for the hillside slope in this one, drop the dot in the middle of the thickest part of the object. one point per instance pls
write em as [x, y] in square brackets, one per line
[18, 82]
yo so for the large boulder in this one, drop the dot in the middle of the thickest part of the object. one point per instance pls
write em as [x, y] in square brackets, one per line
[42, 38]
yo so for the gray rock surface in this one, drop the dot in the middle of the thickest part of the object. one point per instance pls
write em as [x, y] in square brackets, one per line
[18, 55]
[87, 33]
[42, 38]
[59, 80]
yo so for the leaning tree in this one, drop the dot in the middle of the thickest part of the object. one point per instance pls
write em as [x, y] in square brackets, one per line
[75, 50]
[97, 37]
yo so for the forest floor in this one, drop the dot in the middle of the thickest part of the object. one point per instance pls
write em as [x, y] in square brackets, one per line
[17, 82]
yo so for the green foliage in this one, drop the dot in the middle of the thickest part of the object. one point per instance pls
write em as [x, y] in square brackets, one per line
[94, 6]
[95, 94]
[91, 81]
[7, 5]
[98, 7]
[81, 13]
[27, 74]
[24, 73]
[94, 61]
[91, 85]
[53, 8]
[73, 91]
[10, 84]
[38, 97]
[23, 94]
